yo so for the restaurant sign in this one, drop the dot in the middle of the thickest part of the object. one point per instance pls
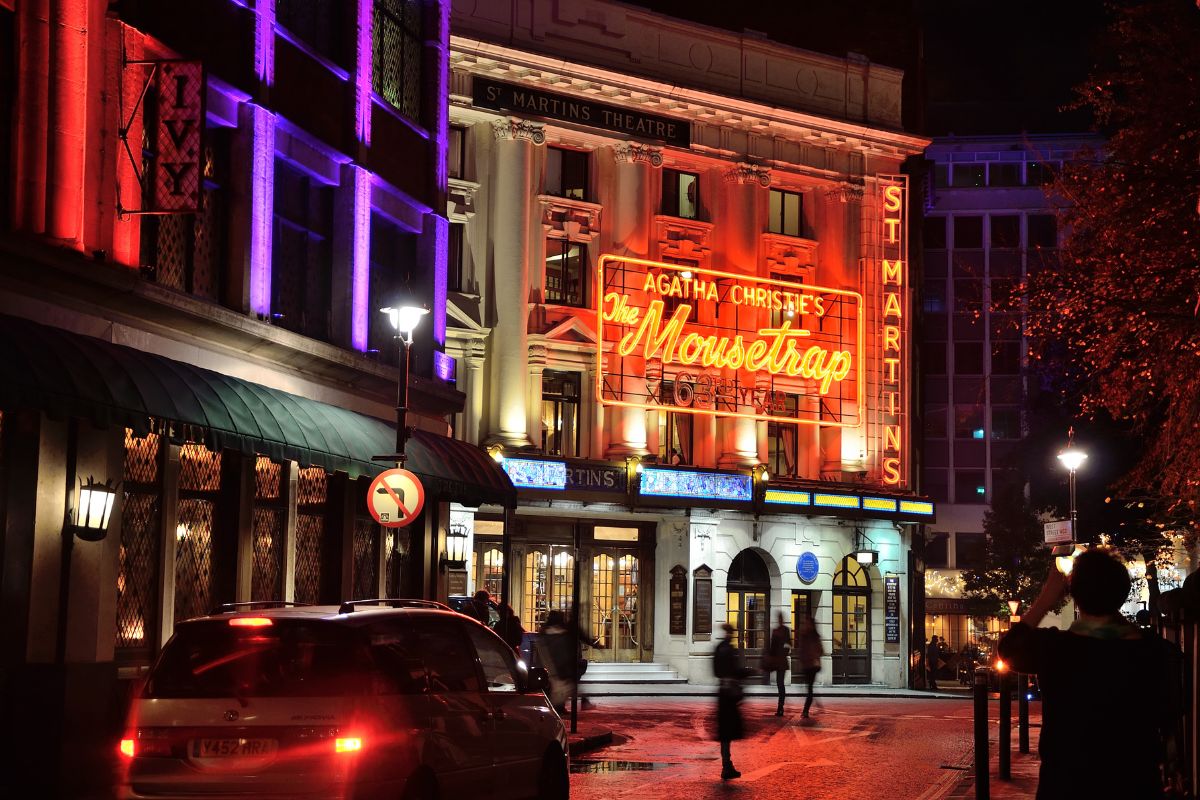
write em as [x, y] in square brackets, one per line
[684, 339]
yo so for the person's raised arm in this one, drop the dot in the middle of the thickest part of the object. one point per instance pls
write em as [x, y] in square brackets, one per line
[1051, 596]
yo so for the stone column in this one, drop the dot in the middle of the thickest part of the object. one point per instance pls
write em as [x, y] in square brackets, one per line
[629, 220]
[512, 230]
[738, 436]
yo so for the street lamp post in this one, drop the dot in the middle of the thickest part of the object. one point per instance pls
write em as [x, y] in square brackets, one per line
[1072, 458]
[404, 319]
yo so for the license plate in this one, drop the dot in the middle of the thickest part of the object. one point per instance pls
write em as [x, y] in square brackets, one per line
[232, 748]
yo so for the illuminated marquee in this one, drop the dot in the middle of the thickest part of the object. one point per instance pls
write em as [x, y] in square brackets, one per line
[697, 341]
[893, 271]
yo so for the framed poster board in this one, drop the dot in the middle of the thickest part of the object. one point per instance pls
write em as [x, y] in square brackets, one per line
[678, 594]
[702, 603]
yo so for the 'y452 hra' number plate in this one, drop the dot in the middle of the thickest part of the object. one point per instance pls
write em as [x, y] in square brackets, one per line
[220, 748]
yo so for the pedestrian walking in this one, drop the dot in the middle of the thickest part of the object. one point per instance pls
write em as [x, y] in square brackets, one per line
[775, 657]
[478, 607]
[730, 674]
[810, 650]
[509, 627]
[932, 655]
[1091, 676]
[562, 657]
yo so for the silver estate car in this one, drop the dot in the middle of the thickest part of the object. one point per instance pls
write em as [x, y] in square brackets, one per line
[372, 699]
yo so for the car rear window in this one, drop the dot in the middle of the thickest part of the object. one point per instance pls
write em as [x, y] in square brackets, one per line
[289, 658]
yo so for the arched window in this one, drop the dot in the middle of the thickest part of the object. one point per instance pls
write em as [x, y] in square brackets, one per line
[748, 587]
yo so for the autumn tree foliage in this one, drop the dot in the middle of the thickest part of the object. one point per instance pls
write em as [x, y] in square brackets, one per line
[1118, 319]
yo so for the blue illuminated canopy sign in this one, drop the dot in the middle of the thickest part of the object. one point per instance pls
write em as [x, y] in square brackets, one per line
[688, 484]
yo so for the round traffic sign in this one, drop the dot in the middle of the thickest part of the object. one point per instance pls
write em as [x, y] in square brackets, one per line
[395, 498]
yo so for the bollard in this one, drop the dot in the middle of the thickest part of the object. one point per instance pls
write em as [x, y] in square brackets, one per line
[982, 787]
[1023, 714]
[1005, 744]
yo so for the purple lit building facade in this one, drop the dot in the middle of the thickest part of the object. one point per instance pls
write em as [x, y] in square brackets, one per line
[205, 206]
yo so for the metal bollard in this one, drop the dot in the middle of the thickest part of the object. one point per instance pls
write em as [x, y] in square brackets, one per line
[982, 786]
[1023, 714]
[1005, 745]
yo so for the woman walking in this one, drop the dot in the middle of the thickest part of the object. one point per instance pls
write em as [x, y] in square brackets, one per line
[729, 700]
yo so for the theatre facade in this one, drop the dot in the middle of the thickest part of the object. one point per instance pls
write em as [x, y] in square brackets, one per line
[680, 302]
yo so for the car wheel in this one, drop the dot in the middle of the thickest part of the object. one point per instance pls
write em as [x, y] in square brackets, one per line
[553, 782]
[421, 787]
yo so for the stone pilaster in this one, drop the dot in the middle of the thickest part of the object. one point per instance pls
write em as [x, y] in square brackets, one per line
[515, 216]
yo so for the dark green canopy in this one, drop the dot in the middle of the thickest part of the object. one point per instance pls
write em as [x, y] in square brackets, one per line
[70, 375]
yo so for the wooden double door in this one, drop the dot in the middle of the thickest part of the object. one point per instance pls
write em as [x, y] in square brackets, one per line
[616, 604]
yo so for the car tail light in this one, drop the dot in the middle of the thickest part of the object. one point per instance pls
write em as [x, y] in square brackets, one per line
[146, 743]
[347, 744]
[250, 622]
[128, 748]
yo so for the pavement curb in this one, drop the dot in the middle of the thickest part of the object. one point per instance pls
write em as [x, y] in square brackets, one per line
[577, 744]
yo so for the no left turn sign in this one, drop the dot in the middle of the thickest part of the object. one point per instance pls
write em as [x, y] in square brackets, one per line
[395, 498]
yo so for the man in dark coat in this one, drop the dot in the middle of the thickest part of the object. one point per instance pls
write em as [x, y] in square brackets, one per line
[776, 658]
[729, 699]
[1105, 686]
[933, 655]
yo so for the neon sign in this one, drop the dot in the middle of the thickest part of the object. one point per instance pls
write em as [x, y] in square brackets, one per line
[893, 266]
[698, 341]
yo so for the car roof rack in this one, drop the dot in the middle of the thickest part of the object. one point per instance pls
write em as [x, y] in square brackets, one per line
[395, 602]
[248, 605]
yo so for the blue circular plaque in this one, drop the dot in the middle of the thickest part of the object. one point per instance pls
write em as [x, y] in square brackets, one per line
[807, 566]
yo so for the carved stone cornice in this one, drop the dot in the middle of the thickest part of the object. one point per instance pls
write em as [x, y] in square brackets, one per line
[576, 220]
[846, 192]
[633, 152]
[511, 128]
[748, 173]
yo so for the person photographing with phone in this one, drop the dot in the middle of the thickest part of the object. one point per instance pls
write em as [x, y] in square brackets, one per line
[1105, 690]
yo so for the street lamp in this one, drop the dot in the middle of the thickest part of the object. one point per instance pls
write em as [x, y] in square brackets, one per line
[455, 556]
[89, 520]
[1013, 607]
[404, 318]
[1072, 458]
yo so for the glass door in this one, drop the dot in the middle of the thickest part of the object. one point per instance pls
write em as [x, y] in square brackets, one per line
[549, 581]
[747, 613]
[851, 623]
[614, 612]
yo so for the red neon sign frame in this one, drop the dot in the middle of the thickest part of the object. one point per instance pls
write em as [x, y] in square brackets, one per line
[698, 341]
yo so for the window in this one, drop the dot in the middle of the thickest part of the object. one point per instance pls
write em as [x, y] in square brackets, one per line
[396, 55]
[1006, 358]
[681, 194]
[1004, 295]
[456, 152]
[137, 576]
[969, 487]
[968, 232]
[785, 211]
[565, 272]
[1040, 173]
[454, 257]
[968, 295]
[674, 438]
[783, 441]
[393, 256]
[935, 233]
[188, 251]
[941, 176]
[496, 658]
[1043, 230]
[934, 358]
[447, 654]
[968, 175]
[567, 173]
[970, 550]
[968, 423]
[1006, 231]
[937, 550]
[1006, 422]
[560, 413]
[934, 296]
[968, 358]
[935, 422]
[396, 657]
[1003, 174]
[301, 253]
[317, 23]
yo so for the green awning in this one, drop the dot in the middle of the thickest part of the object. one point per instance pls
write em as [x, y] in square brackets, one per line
[67, 374]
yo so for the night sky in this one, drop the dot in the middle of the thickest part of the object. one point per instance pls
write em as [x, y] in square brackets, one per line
[989, 67]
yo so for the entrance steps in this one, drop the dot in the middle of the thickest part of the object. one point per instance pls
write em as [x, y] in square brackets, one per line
[632, 672]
